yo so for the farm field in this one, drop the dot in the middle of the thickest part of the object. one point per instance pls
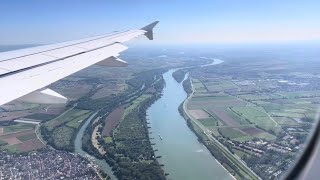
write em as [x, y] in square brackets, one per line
[130, 122]
[20, 138]
[258, 118]
[60, 131]
[218, 86]
[198, 86]
[199, 114]
[136, 103]
[67, 117]
[109, 90]
[113, 120]
[208, 102]
[17, 127]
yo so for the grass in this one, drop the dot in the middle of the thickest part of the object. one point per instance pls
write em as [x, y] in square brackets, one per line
[220, 86]
[231, 133]
[65, 117]
[258, 118]
[75, 123]
[241, 154]
[300, 94]
[209, 122]
[12, 148]
[27, 137]
[198, 86]
[288, 114]
[254, 116]
[3, 143]
[41, 116]
[214, 131]
[236, 117]
[212, 101]
[108, 139]
[285, 121]
[17, 127]
[266, 136]
[136, 103]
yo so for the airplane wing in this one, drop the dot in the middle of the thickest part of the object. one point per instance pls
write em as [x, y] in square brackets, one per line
[24, 73]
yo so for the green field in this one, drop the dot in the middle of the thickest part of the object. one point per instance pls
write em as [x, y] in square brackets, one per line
[136, 103]
[285, 121]
[220, 86]
[12, 148]
[230, 133]
[3, 143]
[62, 129]
[17, 127]
[300, 94]
[236, 117]
[75, 123]
[212, 101]
[198, 86]
[210, 122]
[27, 137]
[108, 139]
[258, 118]
[41, 116]
[65, 117]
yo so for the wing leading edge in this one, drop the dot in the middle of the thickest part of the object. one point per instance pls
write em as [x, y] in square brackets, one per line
[30, 70]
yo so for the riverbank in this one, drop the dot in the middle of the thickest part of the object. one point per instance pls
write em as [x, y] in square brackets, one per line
[182, 155]
[234, 165]
[97, 163]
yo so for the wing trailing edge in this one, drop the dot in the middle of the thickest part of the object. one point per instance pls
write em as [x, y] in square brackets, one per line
[25, 72]
[149, 29]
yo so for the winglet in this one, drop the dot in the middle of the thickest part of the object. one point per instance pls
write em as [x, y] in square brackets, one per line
[149, 29]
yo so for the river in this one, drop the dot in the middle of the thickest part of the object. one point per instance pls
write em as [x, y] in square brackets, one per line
[78, 149]
[183, 156]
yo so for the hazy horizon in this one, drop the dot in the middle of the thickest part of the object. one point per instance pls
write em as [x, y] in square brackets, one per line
[181, 22]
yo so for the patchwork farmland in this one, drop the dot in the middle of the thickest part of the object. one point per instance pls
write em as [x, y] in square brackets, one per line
[256, 114]
[19, 137]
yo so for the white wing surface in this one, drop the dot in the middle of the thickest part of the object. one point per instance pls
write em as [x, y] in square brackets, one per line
[24, 73]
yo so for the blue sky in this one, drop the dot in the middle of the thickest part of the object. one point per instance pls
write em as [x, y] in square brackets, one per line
[181, 21]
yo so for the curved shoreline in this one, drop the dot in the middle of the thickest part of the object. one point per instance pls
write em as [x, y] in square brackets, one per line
[205, 130]
[182, 155]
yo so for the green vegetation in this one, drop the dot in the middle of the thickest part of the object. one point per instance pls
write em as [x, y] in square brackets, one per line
[198, 86]
[260, 119]
[209, 122]
[67, 116]
[15, 127]
[3, 143]
[108, 139]
[41, 116]
[219, 86]
[27, 137]
[61, 131]
[12, 148]
[136, 103]
[62, 137]
[187, 86]
[128, 150]
[222, 155]
[230, 133]
[180, 74]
